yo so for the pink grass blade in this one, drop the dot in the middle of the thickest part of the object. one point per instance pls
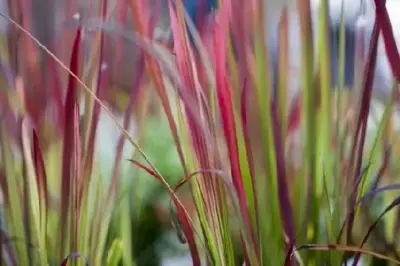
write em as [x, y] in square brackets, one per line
[226, 108]
[294, 118]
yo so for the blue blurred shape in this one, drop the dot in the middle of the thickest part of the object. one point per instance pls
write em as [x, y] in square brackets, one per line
[199, 9]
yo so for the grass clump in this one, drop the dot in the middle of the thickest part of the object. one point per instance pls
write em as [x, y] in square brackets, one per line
[273, 179]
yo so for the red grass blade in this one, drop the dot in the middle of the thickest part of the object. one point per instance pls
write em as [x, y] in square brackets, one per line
[392, 52]
[76, 180]
[249, 152]
[289, 254]
[181, 49]
[37, 93]
[360, 132]
[224, 94]
[57, 92]
[40, 171]
[283, 190]
[294, 114]
[69, 137]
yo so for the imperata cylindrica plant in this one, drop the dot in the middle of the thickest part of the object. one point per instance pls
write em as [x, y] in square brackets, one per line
[257, 132]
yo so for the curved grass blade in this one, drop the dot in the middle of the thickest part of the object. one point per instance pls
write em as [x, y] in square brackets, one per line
[394, 203]
[74, 256]
[376, 191]
[342, 248]
[114, 255]
[365, 197]
[183, 216]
